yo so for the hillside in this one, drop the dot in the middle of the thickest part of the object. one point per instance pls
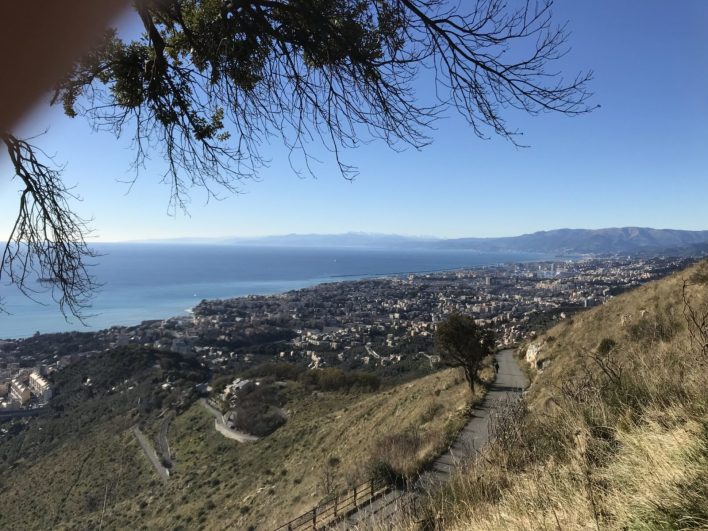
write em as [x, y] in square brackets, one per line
[613, 434]
[82, 467]
[68, 462]
[614, 430]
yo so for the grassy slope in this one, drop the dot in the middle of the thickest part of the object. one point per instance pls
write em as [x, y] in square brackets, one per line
[621, 448]
[649, 312]
[268, 482]
[68, 463]
[73, 479]
[216, 481]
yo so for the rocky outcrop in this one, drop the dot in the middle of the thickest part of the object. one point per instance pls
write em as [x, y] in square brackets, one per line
[532, 352]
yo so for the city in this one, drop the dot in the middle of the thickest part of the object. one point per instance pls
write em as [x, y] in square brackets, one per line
[374, 324]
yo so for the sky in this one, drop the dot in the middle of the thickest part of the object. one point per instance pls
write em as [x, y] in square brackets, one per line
[641, 159]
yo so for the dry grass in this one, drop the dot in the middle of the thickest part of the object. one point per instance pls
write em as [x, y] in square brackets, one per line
[217, 483]
[613, 440]
[656, 480]
[659, 472]
[650, 313]
[321, 427]
[329, 442]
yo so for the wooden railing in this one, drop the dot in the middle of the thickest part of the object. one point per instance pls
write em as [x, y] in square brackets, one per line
[337, 508]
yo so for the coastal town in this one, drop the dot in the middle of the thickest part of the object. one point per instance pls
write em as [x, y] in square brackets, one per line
[368, 324]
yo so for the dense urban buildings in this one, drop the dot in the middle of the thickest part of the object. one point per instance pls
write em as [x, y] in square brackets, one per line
[369, 323]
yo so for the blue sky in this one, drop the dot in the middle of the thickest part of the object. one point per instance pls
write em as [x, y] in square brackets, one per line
[641, 159]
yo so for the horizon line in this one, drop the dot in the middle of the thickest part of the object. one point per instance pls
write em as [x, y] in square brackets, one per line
[245, 239]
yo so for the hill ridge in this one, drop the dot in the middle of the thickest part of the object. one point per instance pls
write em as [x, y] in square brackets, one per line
[611, 240]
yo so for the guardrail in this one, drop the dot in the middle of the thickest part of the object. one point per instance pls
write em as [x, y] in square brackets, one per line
[332, 511]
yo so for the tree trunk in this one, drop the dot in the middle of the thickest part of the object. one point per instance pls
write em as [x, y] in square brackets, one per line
[469, 376]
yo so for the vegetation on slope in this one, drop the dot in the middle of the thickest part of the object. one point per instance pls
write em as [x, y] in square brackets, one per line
[614, 431]
[329, 442]
[81, 455]
[81, 467]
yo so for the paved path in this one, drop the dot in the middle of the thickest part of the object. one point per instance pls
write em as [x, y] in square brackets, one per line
[162, 443]
[222, 428]
[507, 387]
[151, 454]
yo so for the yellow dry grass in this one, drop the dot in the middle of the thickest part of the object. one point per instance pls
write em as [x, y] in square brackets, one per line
[615, 441]
[658, 300]
[218, 483]
[648, 476]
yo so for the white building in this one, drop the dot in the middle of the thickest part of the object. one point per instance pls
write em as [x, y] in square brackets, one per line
[19, 392]
[39, 386]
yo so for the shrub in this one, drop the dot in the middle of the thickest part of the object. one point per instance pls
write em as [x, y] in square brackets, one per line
[258, 418]
[395, 456]
[365, 382]
[662, 326]
[276, 370]
[606, 346]
[381, 470]
[334, 379]
[431, 411]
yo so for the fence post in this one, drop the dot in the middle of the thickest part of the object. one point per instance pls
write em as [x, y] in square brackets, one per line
[355, 497]
[335, 506]
[314, 518]
[372, 489]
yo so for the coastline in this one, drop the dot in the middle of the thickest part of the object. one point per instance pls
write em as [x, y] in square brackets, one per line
[127, 301]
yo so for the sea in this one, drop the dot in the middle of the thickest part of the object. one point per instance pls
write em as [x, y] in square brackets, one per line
[157, 281]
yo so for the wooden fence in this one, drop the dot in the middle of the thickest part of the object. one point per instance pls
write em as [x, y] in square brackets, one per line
[334, 510]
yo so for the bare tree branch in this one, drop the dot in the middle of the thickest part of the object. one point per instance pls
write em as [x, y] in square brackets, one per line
[46, 246]
[696, 320]
[211, 81]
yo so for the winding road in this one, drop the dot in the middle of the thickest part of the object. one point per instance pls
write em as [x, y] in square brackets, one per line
[507, 387]
[222, 428]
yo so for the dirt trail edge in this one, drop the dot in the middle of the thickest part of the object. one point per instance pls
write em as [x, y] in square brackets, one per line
[507, 387]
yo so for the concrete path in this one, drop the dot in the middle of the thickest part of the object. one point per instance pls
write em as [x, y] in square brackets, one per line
[222, 428]
[509, 384]
[507, 387]
[151, 454]
[163, 444]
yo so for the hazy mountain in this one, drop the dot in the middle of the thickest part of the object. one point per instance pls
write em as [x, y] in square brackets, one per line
[558, 242]
[349, 239]
[580, 241]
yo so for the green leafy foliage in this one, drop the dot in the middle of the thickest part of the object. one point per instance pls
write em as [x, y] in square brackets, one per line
[120, 386]
[210, 82]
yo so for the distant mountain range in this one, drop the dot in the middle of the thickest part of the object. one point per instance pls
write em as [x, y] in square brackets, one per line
[560, 242]
[585, 241]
